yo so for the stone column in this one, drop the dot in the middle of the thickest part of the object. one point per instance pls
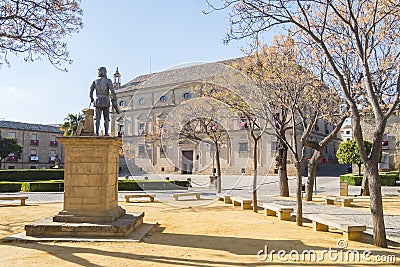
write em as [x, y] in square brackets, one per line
[90, 180]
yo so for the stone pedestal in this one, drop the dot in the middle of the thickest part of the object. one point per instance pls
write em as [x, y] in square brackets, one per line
[90, 180]
[90, 192]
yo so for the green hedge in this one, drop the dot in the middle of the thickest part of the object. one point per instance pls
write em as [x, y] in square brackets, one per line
[124, 185]
[351, 179]
[43, 186]
[37, 186]
[17, 175]
[140, 185]
[10, 186]
[387, 178]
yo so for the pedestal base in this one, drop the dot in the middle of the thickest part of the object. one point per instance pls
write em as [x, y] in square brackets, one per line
[89, 216]
[124, 226]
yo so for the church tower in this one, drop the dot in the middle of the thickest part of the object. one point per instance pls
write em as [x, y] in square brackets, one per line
[117, 79]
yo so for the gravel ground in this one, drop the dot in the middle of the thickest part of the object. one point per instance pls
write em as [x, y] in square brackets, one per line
[268, 188]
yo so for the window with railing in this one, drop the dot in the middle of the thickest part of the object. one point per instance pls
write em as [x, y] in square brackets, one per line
[52, 157]
[53, 140]
[12, 158]
[141, 128]
[34, 139]
[33, 155]
[242, 125]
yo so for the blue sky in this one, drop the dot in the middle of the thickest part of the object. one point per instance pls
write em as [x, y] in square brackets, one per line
[118, 33]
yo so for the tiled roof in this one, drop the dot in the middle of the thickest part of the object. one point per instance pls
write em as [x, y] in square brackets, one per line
[200, 72]
[30, 127]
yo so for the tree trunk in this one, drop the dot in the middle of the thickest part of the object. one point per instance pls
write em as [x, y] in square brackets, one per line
[219, 182]
[255, 163]
[378, 223]
[299, 210]
[282, 172]
[364, 186]
[312, 173]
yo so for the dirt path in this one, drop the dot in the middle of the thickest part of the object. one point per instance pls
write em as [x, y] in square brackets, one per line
[213, 235]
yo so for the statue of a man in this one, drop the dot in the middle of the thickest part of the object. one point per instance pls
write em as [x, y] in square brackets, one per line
[104, 87]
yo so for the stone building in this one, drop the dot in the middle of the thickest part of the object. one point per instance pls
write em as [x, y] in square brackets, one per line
[39, 142]
[391, 142]
[146, 103]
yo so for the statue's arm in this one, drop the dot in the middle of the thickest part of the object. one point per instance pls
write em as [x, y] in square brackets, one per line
[111, 87]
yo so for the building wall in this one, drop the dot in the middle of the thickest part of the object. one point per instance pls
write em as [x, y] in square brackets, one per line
[42, 144]
[391, 142]
[143, 109]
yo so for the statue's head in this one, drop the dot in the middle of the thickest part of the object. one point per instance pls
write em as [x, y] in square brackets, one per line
[102, 72]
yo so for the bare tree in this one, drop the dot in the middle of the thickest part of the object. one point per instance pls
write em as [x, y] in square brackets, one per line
[252, 124]
[36, 28]
[360, 41]
[201, 119]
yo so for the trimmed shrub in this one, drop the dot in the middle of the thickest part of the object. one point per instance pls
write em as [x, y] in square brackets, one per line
[10, 186]
[17, 175]
[387, 178]
[351, 179]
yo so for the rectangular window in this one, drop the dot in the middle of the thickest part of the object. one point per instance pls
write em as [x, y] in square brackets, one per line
[274, 146]
[141, 128]
[12, 135]
[212, 150]
[53, 154]
[243, 147]
[34, 139]
[34, 156]
[141, 151]
[53, 140]
[163, 150]
[348, 132]
[242, 125]
[33, 152]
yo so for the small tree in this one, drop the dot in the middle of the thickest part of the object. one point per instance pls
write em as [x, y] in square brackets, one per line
[348, 153]
[70, 124]
[9, 146]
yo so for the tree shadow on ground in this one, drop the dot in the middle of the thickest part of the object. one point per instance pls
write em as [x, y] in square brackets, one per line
[238, 246]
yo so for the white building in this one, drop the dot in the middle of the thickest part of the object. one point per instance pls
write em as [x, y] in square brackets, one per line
[147, 101]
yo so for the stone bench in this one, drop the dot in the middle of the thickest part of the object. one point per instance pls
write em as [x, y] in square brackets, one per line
[21, 198]
[177, 195]
[273, 209]
[141, 195]
[322, 222]
[345, 201]
[244, 203]
[225, 198]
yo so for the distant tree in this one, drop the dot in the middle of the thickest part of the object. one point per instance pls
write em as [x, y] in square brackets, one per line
[70, 124]
[9, 146]
[348, 153]
[36, 28]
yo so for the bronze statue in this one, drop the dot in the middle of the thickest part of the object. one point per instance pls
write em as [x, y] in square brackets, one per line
[104, 87]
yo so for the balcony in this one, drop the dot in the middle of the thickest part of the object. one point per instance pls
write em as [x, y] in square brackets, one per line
[34, 158]
[12, 159]
[53, 143]
[385, 144]
[34, 142]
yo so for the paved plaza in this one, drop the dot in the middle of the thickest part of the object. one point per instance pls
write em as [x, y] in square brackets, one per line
[268, 190]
